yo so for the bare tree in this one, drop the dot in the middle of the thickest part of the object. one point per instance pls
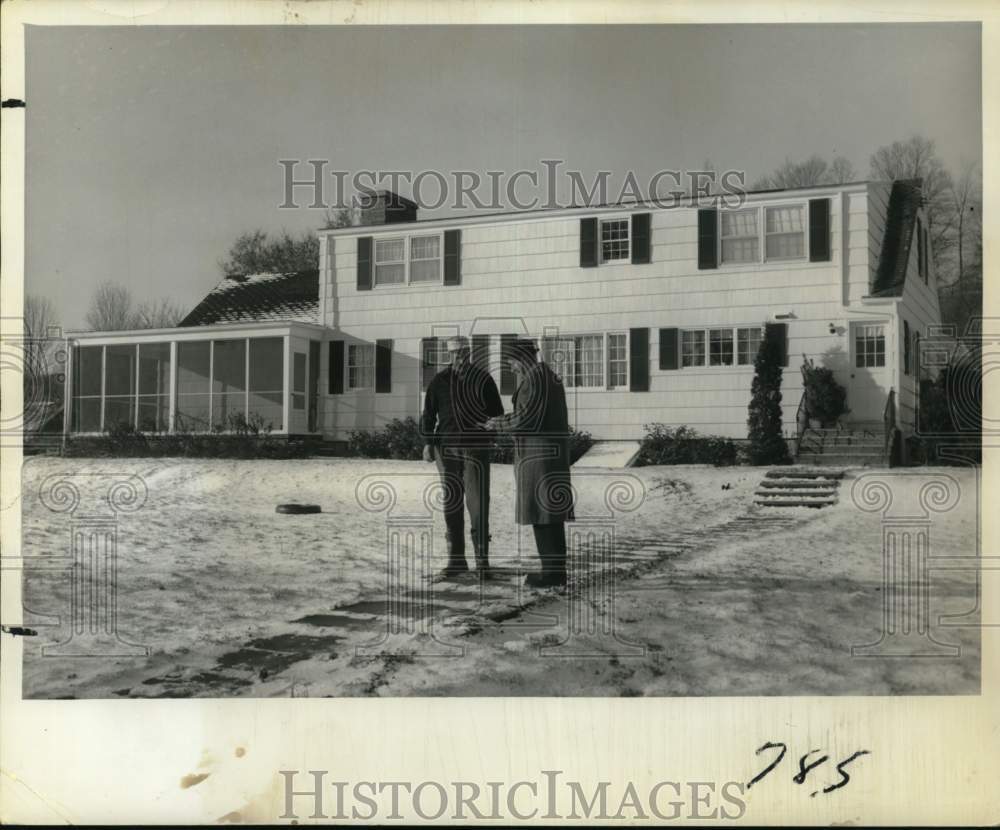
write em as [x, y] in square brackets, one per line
[111, 308]
[39, 318]
[158, 314]
[813, 171]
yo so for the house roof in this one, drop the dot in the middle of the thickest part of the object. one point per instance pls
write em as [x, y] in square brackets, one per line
[905, 200]
[259, 297]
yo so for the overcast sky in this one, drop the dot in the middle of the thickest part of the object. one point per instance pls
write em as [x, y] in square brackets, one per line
[149, 149]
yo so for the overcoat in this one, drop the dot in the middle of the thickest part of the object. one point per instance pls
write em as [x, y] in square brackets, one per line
[540, 427]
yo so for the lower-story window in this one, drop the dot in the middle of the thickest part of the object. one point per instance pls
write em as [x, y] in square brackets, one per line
[360, 366]
[726, 346]
[588, 361]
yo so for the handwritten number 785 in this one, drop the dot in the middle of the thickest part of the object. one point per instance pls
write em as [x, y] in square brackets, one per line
[804, 767]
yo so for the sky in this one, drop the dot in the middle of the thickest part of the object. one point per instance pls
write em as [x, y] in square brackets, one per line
[150, 149]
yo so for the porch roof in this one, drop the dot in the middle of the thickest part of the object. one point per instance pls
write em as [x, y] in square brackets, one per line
[207, 332]
[252, 297]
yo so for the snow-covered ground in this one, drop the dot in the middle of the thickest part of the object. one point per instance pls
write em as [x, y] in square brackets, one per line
[714, 595]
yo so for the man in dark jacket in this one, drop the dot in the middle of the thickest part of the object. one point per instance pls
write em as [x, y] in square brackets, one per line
[540, 426]
[459, 399]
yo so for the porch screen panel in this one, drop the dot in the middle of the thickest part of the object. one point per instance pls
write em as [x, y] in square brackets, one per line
[229, 390]
[193, 389]
[87, 389]
[119, 386]
[154, 387]
[266, 381]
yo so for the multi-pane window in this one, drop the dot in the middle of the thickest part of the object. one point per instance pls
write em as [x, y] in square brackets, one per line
[869, 346]
[720, 347]
[588, 359]
[783, 231]
[785, 236]
[580, 360]
[617, 361]
[614, 239]
[400, 260]
[714, 347]
[693, 348]
[360, 366]
[747, 345]
[740, 239]
[390, 261]
[425, 258]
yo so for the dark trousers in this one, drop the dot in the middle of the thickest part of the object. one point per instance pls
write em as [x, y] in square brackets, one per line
[550, 540]
[465, 475]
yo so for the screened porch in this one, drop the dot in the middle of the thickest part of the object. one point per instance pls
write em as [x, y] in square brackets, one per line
[196, 379]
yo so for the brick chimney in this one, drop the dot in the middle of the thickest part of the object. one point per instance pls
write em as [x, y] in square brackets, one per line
[386, 208]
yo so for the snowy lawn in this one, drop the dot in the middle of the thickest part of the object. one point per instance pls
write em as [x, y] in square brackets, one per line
[234, 599]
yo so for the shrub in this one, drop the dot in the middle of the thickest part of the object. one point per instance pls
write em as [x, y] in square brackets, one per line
[245, 439]
[825, 399]
[503, 449]
[399, 439]
[766, 442]
[950, 415]
[683, 445]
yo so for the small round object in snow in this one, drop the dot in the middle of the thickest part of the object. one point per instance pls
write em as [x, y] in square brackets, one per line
[297, 509]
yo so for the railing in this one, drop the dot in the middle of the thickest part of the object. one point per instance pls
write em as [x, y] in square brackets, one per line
[889, 423]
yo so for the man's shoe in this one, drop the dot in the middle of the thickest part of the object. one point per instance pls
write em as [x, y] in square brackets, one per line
[545, 580]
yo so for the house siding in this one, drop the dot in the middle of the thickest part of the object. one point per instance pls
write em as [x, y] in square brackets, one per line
[524, 277]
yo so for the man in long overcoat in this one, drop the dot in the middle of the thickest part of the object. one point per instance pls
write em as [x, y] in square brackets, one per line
[540, 427]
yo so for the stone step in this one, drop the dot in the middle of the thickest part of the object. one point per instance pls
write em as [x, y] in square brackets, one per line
[799, 484]
[843, 459]
[795, 503]
[803, 472]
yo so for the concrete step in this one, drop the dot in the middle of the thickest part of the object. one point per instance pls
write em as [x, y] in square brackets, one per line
[796, 503]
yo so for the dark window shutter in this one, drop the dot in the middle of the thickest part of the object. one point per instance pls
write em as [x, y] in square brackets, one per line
[708, 238]
[906, 348]
[640, 238]
[780, 332]
[638, 360]
[819, 230]
[670, 348]
[507, 379]
[481, 351]
[383, 365]
[428, 365]
[453, 257]
[588, 243]
[364, 263]
[335, 371]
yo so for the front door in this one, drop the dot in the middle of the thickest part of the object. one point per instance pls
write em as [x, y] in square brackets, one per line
[870, 376]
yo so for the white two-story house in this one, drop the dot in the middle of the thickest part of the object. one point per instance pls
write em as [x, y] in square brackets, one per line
[648, 313]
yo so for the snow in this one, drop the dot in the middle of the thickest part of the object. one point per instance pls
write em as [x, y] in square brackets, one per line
[722, 597]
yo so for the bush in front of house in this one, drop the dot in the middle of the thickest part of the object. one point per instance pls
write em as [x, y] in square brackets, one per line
[825, 399]
[240, 438]
[764, 431]
[682, 445]
[402, 439]
[950, 417]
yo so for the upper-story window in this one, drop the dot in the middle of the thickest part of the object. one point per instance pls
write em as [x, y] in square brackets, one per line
[408, 259]
[614, 240]
[740, 237]
[780, 236]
